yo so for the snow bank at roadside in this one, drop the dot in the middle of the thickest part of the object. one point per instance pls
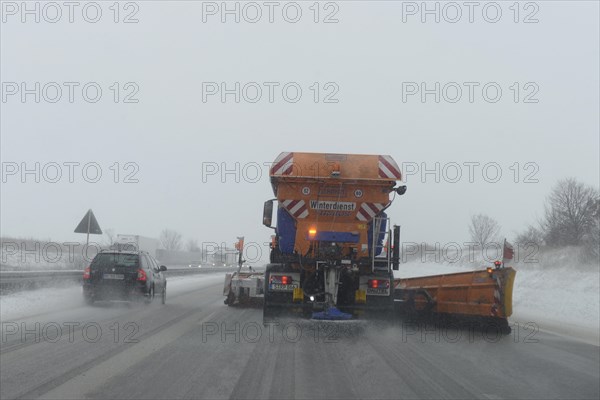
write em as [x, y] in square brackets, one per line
[564, 299]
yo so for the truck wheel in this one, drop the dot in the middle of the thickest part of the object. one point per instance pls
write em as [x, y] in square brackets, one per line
[268, 314]
[230, 299]
[267, 311]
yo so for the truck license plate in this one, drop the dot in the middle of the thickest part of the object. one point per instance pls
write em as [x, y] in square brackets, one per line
[279, 286]
[380, 292]
[113, 276]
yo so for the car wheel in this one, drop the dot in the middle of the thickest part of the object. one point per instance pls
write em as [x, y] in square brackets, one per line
[150, 295]
[164, 295]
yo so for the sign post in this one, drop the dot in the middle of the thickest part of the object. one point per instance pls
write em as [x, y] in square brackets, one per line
[88, 225]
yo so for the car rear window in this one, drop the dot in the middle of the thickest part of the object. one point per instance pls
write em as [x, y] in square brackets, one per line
[116, 260]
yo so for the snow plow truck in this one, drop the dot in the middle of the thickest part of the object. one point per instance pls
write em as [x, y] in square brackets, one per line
[334, 251]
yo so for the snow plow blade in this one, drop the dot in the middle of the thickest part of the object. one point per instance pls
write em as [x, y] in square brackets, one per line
[485, 295]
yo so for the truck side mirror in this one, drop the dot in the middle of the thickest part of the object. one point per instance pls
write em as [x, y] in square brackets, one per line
[268, 213]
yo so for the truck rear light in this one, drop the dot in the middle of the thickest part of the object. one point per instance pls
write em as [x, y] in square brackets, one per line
[283, 279]
[141, 276]
[379, 283]
[86, 273]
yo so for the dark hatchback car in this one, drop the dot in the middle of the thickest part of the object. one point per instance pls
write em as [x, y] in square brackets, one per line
[124, 275]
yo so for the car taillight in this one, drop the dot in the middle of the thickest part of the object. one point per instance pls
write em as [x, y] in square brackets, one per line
[379, 283]
[141, 275]
[283, 279]
[86, 273]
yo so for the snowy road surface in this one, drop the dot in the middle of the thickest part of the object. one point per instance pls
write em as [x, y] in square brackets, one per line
[55, 347]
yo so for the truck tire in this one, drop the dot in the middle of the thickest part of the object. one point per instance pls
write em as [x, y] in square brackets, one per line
[268, 310]
[230, 299]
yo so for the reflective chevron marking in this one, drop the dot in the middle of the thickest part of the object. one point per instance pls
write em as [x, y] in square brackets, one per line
[297, 208]
[388, 168]
[283, 164]
[368, 211]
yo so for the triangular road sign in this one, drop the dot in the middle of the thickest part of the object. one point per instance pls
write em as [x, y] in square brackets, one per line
[89, 224]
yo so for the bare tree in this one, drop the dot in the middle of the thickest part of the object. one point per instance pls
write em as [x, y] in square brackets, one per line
[192, 245]
[483, 229]
[531, 236]
[591, 241]
[571, 213]
[170, 239]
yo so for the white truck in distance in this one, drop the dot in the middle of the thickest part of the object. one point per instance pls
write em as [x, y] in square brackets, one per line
[136, 242]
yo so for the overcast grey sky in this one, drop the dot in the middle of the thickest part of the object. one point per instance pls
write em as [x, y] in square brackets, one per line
[544, 125]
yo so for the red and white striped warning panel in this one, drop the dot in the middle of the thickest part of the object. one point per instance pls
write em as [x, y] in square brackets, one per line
[283, 164]
[297, 208]
[367, 211]
[388, 168]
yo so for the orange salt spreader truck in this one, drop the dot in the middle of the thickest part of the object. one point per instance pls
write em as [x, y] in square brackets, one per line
[334, 251]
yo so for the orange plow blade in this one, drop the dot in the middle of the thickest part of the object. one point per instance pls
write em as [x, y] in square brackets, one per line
[486, 293]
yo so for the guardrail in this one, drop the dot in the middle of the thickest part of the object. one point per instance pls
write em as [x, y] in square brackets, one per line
[11, 281]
